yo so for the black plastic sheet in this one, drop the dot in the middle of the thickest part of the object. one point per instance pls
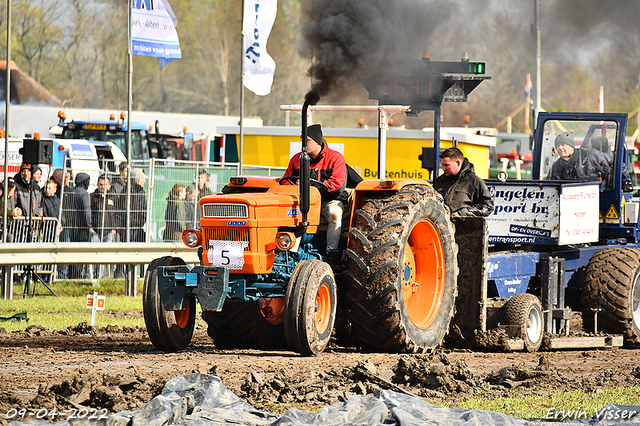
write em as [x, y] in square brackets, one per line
[202, 400]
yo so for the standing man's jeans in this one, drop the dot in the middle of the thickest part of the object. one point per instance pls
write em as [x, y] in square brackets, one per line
[105, 271]
[332, 211]
[62, 269]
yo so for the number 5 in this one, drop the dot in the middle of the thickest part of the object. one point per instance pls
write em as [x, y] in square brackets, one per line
[223, 254]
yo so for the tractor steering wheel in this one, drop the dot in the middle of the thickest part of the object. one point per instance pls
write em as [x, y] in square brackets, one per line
[294, 180]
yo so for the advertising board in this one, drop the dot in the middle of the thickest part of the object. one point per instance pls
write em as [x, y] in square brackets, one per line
[549, 213]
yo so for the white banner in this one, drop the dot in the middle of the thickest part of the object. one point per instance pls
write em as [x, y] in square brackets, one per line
[259, 67]
[153, 30]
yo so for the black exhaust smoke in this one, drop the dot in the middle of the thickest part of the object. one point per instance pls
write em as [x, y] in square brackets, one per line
[357, 40]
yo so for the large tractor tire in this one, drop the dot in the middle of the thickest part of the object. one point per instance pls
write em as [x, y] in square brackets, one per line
[402, 271]
[523, 315]
[310, 307]
[168, 330]
[612, 287]
[247, 325]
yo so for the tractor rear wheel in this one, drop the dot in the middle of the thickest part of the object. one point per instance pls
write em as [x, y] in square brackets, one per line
[523, 313]
[611, 287]
[402, 271]
[310, 307]
[168, 330]
[247, 325]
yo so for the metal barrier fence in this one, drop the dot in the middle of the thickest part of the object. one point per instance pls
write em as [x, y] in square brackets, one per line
[164, 196]
[43, 230]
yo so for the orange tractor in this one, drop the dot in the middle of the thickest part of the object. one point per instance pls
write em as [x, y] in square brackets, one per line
[263, 281]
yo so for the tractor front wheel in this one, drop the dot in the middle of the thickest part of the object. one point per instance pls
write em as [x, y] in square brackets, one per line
[168, 330]
[310, 307]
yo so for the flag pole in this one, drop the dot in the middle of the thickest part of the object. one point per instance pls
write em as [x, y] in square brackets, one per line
[242, 36]
[130, 275]
[6, 128]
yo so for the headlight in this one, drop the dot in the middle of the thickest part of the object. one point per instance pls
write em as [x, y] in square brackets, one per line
[191, 237]
[285, 240]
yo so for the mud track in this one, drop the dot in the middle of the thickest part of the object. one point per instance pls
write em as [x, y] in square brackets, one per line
[118, 369]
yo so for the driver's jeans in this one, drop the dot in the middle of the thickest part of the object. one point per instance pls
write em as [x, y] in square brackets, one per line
[332, 211]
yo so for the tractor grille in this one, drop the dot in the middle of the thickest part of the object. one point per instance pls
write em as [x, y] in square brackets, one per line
[225, 210]
[226, 234]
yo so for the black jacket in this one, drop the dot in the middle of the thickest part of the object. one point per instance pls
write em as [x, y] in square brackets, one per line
[138, 212]
[80, 210]
[104, 208]
[22, 197]
[51, 207]
[584, 164]
[465, 194]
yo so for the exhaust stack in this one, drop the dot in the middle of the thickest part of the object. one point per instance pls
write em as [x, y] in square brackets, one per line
[310, 98]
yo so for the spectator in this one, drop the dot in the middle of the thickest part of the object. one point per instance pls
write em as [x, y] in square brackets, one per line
[37, 176]
[119, 189]
[138, 213]
[11, 212]
[191, 205]
[51, 202]
[119, 184]
[80, 224]
[204, 180]
[175, 216]
[104, 218]
[23, 183]
[64, 194]
[103, 211]
[464, 192]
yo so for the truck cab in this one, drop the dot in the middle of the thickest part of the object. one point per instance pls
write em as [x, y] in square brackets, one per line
[145, 144]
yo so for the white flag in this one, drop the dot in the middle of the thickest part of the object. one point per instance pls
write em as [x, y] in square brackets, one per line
[259, 67]
[153, 30]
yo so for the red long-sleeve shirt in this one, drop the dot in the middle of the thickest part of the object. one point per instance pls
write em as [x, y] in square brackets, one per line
[329, 167]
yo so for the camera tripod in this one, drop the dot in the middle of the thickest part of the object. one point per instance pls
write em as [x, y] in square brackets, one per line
[30, 274]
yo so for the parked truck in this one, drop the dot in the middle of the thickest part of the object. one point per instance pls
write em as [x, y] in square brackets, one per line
[145, 143]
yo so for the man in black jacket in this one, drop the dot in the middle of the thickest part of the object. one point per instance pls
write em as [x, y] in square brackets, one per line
[464, 192]
[579, 163]
[80, 226]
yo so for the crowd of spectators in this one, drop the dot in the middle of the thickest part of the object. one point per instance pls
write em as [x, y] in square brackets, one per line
[100, 215]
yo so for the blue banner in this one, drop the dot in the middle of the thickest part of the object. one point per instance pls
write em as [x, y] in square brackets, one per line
[153, 30]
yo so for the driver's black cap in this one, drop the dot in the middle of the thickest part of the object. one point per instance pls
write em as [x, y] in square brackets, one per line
[315, 132]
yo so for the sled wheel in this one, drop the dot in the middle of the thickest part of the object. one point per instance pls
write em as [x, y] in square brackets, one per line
[272, 309]
[402, 271]
[310, 308]
[612, 286]
[243, 325]
[168, 330]
[523, 313]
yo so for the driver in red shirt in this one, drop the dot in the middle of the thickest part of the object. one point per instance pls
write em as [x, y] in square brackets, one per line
[329, 168]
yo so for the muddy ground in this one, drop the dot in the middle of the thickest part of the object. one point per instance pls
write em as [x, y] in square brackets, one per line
[116, 369]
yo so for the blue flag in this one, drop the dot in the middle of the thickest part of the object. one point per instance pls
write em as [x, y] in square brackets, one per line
[153, 30]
